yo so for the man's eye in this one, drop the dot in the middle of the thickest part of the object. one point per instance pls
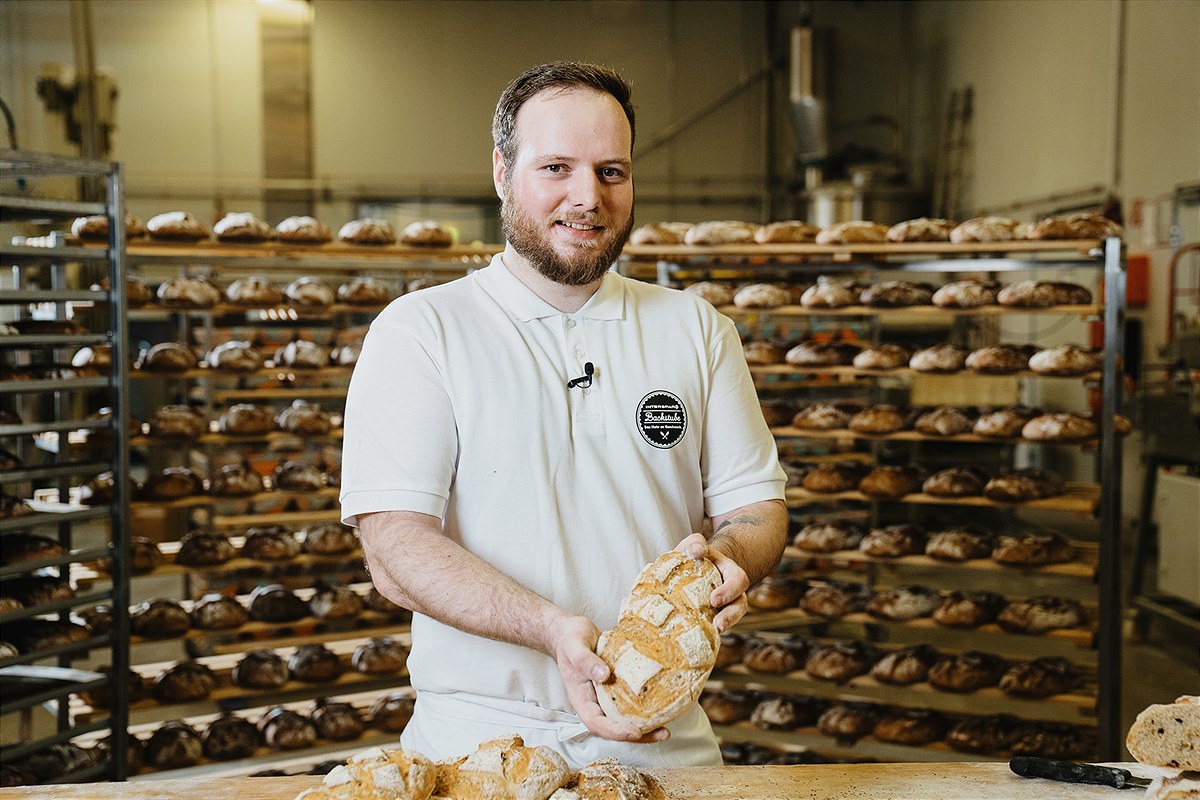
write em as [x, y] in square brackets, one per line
[611, 172]
[554, 168]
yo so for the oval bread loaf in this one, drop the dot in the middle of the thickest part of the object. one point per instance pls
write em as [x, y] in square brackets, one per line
[1167, 735]
[398, 774]
[664, 644]
[502, 769]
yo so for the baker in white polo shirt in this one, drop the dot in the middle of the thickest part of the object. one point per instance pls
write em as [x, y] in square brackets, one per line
[521, 441]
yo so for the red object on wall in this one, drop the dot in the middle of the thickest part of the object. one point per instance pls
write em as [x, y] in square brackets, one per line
[1137, 280]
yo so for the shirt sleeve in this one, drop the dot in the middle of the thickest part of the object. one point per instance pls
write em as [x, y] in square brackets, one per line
[400, 440]
[739, 459]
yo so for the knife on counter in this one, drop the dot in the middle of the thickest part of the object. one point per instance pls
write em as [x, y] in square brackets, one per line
[1073, 772]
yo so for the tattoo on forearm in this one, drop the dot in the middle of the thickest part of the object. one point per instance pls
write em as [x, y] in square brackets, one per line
[741, 519]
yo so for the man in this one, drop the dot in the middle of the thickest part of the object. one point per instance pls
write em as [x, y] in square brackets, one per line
[520, 442]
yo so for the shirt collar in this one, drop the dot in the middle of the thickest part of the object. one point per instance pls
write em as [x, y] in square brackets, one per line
[519, 300]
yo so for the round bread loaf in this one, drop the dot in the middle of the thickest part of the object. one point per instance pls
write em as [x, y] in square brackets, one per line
[905, 666]
[761, 295]
[367, 231]
[829, 294]
[829, 537]
[1043, 294]
[660, 233]
[1041, 614]
[944, 421]
[158, 619]
[882, 419]
[168, 357]
[375, 773]
[346, 355]
[364, 291]
[825, 416]
[922, 229]
[760, 352]
[903, 603]
[733, 647]
[176, 226]
[716, 293]
[426, 233]
[234, 357]
[1086, 225]
[229, 736]
[848, 722]
[1066, 360]
[216, 611]
[171, 483]
[913, 726]
[609, 779]
[833, 599]
[1059, 428]
[505, 768]
[966, 672]
[986, 229]
[305, 418]
[391, 712]
[955, 482]
[984, 734]
[335, 602]
[853, 232]
[778, 656]
[275, 603]
[379, 656]
[204, 549]
[242, 226]
[309, 291]
[314, 663]
[777, 413]
[882, 356]
[302, 354]
[336, 721]
[968, 609]
[966, 294]
[174, 745]
[775, 592]
[1053, 740]
[1032, 550]
[890, 481]
[959, 544]
[840, 661]
[1005, 423]
[1041, 677]
[939, 358]
[1000, 359]
[791, 231]
[177, 422]
[187, 292]
[664, 645]
[896, 294]
[235, 480]
[260, 669]
[270, 543]
[822, 354]
[296, 476]
[893, 541]
[1023, 485]
[144, 556]
[253, 291]
[328, 539]
[96, 356]
[781, 713]
[185, 682]
[303, 230]
[244, 419]
[95, 228]
[837, 476]
[285, 729]
[721, 232]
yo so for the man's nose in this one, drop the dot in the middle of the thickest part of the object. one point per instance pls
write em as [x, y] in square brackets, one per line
[586, 190]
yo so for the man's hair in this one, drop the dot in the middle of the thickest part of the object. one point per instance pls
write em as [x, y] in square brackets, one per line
[562, 75]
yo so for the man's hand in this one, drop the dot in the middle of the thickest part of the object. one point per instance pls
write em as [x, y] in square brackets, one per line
[574, 650]
[730, 596]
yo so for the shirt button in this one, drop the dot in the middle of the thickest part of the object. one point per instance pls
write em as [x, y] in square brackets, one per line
[570, 323]
[579, 352]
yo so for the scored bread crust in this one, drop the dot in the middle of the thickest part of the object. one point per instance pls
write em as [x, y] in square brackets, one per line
[664, 644]
[502, 769]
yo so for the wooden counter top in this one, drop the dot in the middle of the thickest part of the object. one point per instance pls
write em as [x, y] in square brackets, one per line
[979, 781]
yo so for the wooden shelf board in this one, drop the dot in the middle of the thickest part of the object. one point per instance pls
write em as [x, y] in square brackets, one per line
[1079, 498]
[1084, 311]
[1082, 567]
[194, 501]
[901, 372]
[1083, 248]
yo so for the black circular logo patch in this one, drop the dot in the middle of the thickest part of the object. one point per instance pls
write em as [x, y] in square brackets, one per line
[662, 419]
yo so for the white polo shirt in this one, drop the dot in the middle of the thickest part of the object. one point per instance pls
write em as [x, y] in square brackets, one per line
[459, 408]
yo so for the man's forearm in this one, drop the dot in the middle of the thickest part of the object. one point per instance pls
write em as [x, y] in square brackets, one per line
[413, 564]
[754, 536]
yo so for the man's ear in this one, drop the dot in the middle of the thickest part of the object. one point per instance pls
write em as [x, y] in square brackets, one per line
[499, 168]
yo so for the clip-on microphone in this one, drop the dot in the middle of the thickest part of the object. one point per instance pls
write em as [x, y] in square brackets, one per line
[584, 380]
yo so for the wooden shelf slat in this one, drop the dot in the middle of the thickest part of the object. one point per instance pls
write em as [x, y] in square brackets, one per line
[1085, 311]
[1081, 248]
[902, 372]
[845, 434]
[1079, 498]
[193, 501]
[1083, 567]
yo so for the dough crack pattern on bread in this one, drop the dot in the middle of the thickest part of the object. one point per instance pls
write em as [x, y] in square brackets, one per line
[664, 644]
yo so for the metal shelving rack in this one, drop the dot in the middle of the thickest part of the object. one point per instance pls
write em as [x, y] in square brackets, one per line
[48, 276]
[765, 263]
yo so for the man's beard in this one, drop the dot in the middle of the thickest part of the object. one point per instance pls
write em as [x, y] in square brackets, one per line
[532, 241]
